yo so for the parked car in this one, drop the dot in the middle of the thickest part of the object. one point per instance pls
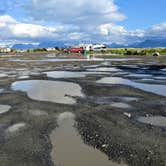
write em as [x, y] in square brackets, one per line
[74, 50]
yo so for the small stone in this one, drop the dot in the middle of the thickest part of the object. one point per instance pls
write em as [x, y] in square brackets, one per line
[127, 114]
[104, 146]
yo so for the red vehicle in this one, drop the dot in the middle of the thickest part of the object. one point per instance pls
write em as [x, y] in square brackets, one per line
[74, 50]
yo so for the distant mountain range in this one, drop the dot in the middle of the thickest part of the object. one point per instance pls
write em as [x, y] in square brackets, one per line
[24, 46]
[144, 44]
[151, 43]
[40, 45]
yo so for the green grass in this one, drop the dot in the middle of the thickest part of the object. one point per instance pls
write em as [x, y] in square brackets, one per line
[134, 51]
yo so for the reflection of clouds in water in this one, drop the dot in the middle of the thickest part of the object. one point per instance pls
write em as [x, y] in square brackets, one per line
[15, 127]
[153, 88]
[53, 91]
[3, 75]
[64, 74]
[154, 120]
[1, 90]
[107, 69]
[65, 115]
[4, 108]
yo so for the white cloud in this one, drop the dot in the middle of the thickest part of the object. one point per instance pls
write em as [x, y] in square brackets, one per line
[13, 29]
[158, 30]
[111, 29]
[74, 11]
[13, 32]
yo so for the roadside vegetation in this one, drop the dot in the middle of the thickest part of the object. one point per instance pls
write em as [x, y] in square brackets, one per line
[135, 51]
[113, 51]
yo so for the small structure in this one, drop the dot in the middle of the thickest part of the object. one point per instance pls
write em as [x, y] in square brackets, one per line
[5, 50]
[50, 49]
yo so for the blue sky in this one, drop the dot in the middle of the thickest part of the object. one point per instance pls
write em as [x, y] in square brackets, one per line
[142, 13]
[111, 21]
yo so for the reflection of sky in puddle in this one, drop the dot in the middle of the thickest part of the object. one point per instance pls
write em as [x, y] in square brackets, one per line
[1, 90]
[53, 91]
[139, 75]
[128, 99]
[154, 120]
[153, 88]
[3, 75]
[160, 78]
[163, 69]
[75, 60]
[69, 149]
[23, 77]
[64, 74]
[4, 108]
[120, 105]
[15, 127]
[105, 69]
[68, 74]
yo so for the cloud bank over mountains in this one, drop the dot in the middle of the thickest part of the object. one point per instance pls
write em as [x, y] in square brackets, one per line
[33, 21]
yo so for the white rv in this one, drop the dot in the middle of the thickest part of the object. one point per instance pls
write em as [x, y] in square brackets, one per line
[93, 47]
[98, 47]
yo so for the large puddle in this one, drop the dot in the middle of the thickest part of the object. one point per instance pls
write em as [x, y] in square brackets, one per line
[53, 91]
[69, 149]
[153, 120]
[153, 88]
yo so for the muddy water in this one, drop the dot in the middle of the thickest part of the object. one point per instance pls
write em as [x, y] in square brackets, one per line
[53, 91]
[154, 120]
[153, 88]
[69, 149]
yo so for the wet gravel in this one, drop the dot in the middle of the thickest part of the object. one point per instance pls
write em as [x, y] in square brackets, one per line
[100, 125]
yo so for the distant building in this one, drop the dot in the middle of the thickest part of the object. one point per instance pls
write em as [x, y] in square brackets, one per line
[21, 51]
[5, 50]
[50, 49]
